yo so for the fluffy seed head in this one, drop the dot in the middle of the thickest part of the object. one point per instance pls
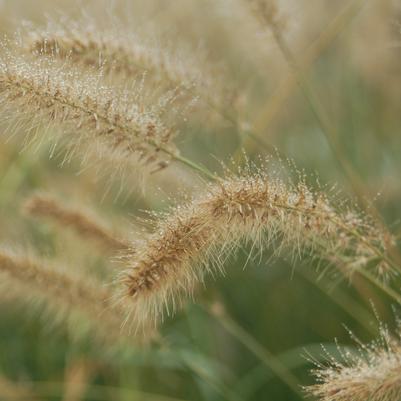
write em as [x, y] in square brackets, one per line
[119, 52]
[66, 295]
[41, 205]
[195, 238]
[373, 373]
[103, 122]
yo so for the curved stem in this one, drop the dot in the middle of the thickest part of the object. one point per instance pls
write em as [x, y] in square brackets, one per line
[191, 164]
[264, 355]
[380, 284]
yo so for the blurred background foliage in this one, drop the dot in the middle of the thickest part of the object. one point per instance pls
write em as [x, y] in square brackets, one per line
[252, 333]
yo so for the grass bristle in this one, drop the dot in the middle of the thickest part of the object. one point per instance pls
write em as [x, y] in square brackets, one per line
[86, 225]
[70, 298]
[370, 373]
[254, 209]
[127, 55]
[92, 117]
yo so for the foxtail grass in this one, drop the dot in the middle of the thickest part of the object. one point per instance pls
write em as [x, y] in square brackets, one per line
[254, 208]
[91, 116]
[372, 373]
[121, 53]
[67, 298]
[117, 51]
[81, 221]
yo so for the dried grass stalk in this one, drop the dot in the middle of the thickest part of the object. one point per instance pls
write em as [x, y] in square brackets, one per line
[86, 225]
[196, 238]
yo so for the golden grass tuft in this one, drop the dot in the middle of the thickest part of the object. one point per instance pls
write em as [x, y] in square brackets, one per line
[196, 238]
[86, 225]
[372, 373]
[91, 116]
[125, 56]
[71, 299]
[117, 51]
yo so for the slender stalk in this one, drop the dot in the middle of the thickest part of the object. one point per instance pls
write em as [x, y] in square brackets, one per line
[380, 284]
[189, 163]
[256, 348]
[319, 112]
[343, 300]
[219, 388]
[323, 41]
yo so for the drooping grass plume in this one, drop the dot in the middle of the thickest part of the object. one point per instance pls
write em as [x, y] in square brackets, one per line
[371, 374]
[120, 52]
[86, 225]
[84, 43]
[253, 208]
[91, 116]
[69, 298]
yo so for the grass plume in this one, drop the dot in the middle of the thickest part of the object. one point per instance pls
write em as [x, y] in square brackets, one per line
[254, 208]
[69, 297]
[373, 373]
[117, 51]
[124, 55]
[45, 206]
[90, 115]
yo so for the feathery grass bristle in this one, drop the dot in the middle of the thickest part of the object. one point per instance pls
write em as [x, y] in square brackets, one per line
[69, 297]
[371, 373]
[120, 53]
[86, 225]
[117, 51]
[257, 209]
[92, 117]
